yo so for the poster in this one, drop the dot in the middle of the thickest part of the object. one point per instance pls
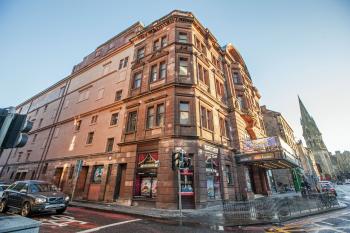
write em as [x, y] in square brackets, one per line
[154, 187]
[146, 186]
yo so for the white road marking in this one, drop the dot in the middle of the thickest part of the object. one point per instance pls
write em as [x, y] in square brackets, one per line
[327, 223]
[109, 225]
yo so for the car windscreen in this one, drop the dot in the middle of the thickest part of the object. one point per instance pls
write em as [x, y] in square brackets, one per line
[44, 187]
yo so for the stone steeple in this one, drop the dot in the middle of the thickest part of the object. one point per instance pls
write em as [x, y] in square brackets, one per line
[311, 133]
[314, 141]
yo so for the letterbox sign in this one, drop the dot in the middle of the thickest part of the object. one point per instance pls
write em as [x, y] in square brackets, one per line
[211, 149]
[148, 160]
[261, 145]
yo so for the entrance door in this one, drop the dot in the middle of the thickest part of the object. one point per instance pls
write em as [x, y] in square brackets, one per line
[120, 181]
[57, 176]
[79, 189]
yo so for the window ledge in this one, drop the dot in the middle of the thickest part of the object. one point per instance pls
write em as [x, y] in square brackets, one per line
[112, 126]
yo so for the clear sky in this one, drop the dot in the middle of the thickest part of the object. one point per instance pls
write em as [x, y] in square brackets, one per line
[290, 47]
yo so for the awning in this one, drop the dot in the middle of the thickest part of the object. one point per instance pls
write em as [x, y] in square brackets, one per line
[269, 160]
[269, 153]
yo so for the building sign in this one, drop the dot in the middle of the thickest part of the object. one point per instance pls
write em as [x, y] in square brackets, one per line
[261, 145]
[211, 149]
[148, 160]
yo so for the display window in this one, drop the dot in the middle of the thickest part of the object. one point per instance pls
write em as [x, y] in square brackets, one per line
[146, 175]
[248, 181]
[187, 182]
[213, 176]
[97, 174]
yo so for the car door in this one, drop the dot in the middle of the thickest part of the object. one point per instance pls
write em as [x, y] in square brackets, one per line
[8, 195]
[15, 195]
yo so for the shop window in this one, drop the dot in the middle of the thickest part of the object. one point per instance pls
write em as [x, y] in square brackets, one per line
[248, 181]
[131, 126]
[228, 172]
[146, 175]
[213, 177]
[187, 188]
[71, 172]
[183, 66]
[97, 174]
[44, 168]
[184, 113]
[109, 145]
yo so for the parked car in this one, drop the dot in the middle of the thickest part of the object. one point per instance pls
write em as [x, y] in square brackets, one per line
[33, 196]
[328, 188]
[339, 182]
[347, 181]
[2, 188]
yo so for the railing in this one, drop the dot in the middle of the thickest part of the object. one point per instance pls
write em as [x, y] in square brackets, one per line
[277, 209]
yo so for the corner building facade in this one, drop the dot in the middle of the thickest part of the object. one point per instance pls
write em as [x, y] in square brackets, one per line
[130, 104]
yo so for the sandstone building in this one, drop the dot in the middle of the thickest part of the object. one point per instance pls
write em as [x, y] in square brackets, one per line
[277, 125]
[131, 103]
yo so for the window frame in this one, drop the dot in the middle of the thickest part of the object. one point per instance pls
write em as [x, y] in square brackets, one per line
[116, 95]
[180, 39]
[130, 122]
[185, 111]
[90, 138]
[134, 79]
[150, 117]
[186, 60]
[109, 147]
[160, 115]
[140, 55]
[114, 119]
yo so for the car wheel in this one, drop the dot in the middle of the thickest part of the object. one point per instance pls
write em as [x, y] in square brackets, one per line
[61, 211]
[3, 206]
[26, 210]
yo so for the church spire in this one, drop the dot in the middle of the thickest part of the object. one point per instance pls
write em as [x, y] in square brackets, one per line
[306, 120]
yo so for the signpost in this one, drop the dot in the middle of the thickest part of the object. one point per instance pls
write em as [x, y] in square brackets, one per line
[77, 169]
[178, 162]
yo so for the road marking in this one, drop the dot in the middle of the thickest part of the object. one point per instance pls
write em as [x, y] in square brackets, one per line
[327, 223]
[109, 225]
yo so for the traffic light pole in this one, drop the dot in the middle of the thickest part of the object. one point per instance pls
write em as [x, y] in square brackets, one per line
[179, 182]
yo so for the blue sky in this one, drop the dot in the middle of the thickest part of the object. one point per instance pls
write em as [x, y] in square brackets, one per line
[290, 47]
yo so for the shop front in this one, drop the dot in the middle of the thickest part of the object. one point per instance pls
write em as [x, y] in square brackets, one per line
[262, 155]
[212, 171]
[146, 181]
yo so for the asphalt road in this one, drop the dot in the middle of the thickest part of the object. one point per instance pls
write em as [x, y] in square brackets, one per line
[83, 220]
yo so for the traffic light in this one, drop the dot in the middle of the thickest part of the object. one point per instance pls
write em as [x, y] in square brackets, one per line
[175, 161]
[16, 133]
